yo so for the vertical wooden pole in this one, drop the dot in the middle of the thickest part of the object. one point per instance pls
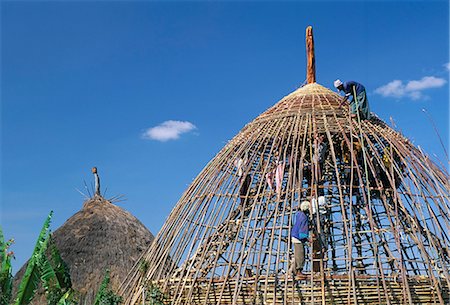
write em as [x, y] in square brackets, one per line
[311, 60]
[97, 181]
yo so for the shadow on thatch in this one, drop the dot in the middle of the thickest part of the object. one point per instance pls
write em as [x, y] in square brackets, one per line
[100, 236]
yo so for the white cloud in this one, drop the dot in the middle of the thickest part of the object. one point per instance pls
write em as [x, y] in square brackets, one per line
[425, 83]
[447, 66]
[412, 89]
[394, 89]
[168, 130]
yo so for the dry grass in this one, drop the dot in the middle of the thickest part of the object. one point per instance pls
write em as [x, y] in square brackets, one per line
[100, 236]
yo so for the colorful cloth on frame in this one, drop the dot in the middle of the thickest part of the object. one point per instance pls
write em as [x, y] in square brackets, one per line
[240, 165]
[275, 176]
[269, 178]
[279, 174]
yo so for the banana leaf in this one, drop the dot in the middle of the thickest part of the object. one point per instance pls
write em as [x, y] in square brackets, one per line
[3, 249]
[48, 275]
[62, 271]
[55, 274]
[31, 278]
[5, 271]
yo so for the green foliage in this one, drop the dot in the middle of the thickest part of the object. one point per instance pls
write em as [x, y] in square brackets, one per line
[51, 271]
[54, 297]
[55, 276]
[6, 277]
[47, 273]
[69, 298]
[154, 296]
[110, 298]
[143, 266]
[61, 269]
[105, 296]
[31, 278]
[103, 288]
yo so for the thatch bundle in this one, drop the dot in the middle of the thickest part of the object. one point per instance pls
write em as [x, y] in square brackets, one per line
[100, 236]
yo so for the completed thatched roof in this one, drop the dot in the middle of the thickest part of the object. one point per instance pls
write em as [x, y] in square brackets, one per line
[100, 236]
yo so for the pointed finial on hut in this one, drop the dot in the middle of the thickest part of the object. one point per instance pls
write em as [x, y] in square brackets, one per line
[97, 181]
[311, 60]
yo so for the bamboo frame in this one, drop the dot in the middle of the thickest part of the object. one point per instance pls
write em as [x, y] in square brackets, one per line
[387, 217]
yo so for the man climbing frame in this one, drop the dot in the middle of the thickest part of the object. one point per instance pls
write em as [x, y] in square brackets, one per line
[358, 101]
[299, 236]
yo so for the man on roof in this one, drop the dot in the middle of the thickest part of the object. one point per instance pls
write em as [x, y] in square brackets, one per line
[358, 98]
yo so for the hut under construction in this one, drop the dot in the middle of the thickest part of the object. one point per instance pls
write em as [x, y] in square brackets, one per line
[379, 215]
[100, 236]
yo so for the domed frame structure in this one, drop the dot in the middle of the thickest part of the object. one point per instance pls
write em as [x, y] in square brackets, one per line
[379, 214]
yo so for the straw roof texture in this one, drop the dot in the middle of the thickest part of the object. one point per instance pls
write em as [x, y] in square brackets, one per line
[100, 236]
[380, 237]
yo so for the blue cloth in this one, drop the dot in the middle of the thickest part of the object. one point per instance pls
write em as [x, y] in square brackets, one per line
[348, 88]
[362, 104]
[300, 228]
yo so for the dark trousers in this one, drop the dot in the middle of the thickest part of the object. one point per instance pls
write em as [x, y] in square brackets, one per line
[299, 256]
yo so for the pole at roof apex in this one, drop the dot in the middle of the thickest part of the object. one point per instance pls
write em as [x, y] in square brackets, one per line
[310, 57]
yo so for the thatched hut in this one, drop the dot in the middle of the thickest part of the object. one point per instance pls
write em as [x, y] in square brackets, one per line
[100, 236]
[380, 228]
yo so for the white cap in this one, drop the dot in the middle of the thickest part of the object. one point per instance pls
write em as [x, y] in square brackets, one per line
[337, 83]
[304, 206]
[321, 200]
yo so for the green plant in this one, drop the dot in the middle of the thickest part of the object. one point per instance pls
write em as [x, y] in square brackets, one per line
[143, 266]
[5, 270]
[31, 278]
[56, 277]
[48, 269]
[154, 296]
[105, 296]
[69, 298]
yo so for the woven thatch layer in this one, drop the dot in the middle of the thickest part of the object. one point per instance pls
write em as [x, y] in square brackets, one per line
[100, 236]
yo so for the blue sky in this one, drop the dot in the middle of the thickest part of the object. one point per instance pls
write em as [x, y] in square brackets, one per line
[83, 83]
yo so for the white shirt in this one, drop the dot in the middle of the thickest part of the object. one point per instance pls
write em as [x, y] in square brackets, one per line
[322, 205]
